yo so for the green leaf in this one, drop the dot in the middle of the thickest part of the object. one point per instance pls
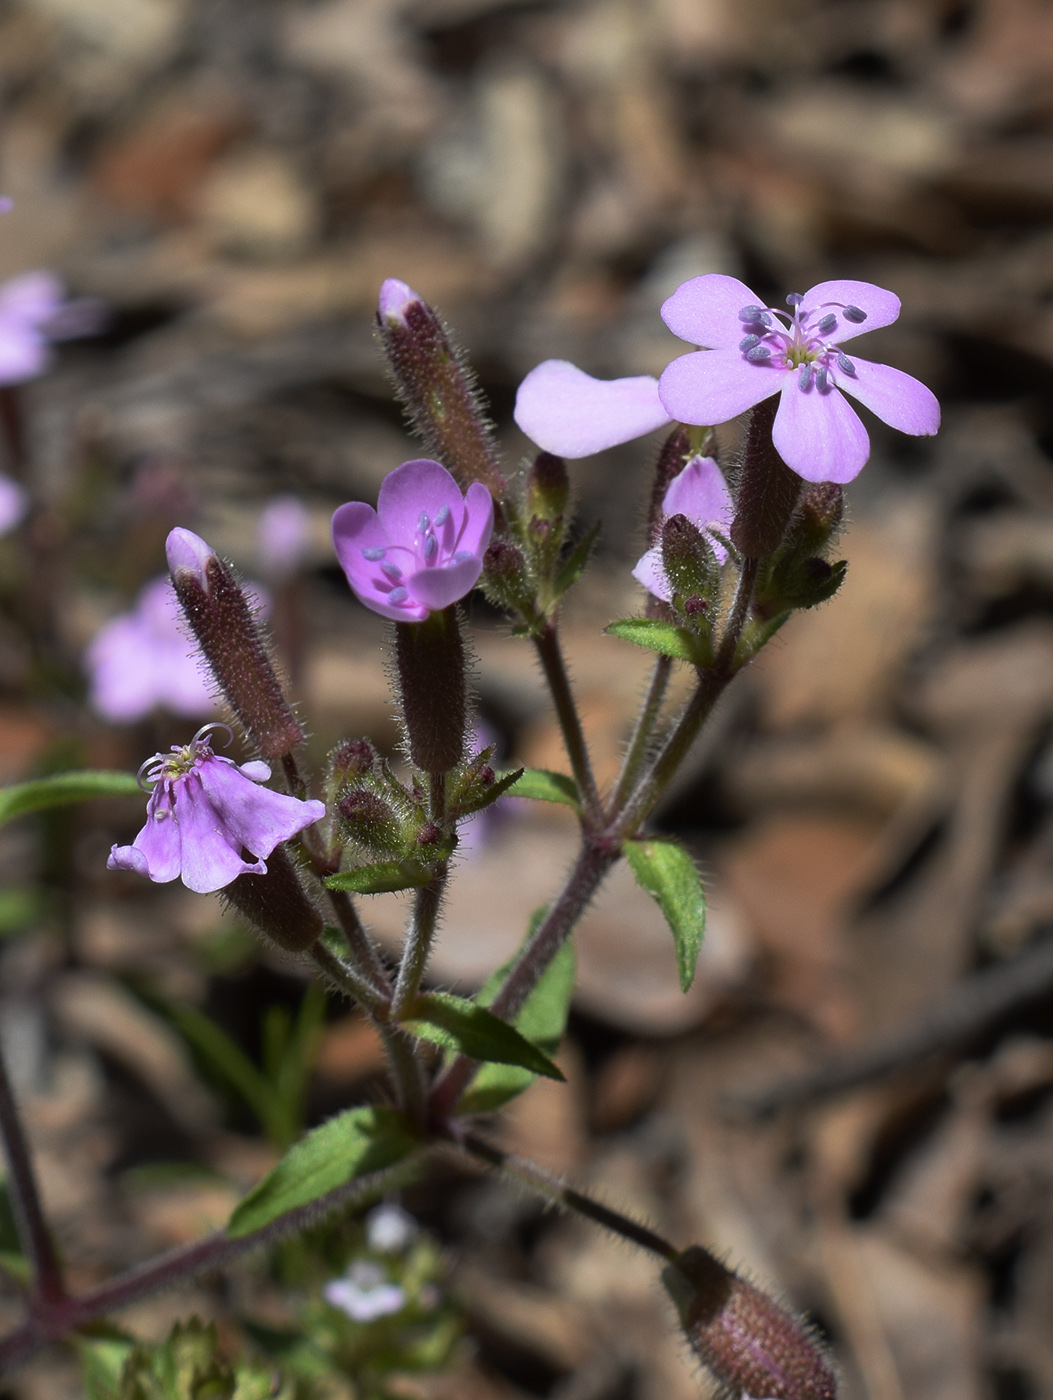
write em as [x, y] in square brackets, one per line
[62, 788]
[542, 1021]
[575, 563]
[353, 1144]
[386, 877]
[668, 874]
[464, 1026]
[545, 786]
[477, 797]
[656, 635]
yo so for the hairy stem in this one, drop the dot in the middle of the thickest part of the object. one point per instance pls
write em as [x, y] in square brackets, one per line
[534, 1177]
[359, 944]
[643, 733]
[591, 866]
[712, 683]
[214, 1252]
[348, 979]
[33, 1232]
[551, 656]
[418, 942]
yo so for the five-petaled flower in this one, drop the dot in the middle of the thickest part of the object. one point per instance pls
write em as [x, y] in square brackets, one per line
[421, 549]
[204, 811]
[700, 493]
[755, 351]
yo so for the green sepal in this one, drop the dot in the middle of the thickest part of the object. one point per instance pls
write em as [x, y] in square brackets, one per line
[544, 786]
[385, 877]
[354, 1144]
[575, 564]
[472, 796]
[668, 874]
[458, 1024]
[664, 637]
[60, 789]
[542, 1020]
[757, 634]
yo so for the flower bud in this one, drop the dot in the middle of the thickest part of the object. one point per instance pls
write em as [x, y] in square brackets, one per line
[505, 575]
[349, 760]
[688, 560]
[768, 489]
[277, 904]
[436, 387]
[368, 819]
[232, 643]
[751, 1345]
[433, 687]
[548, 487]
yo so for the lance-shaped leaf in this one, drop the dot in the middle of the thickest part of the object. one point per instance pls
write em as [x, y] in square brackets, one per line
[60, 789]
[545, 786]
[664, 637]
[386, 877]
[458, 1024]
[668, 874]
[542, 1020]
[352, 1145]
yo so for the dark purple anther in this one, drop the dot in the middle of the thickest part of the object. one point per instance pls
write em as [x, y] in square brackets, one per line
[794, 298]
[751, 313]
[827, 324]
[748, 342]
[853, 314]
[758, 355]
[804, 378]
[844, 363]
[820, 379]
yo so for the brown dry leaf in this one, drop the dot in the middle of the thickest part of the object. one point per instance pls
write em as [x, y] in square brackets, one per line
[840, 662]
[795, 878]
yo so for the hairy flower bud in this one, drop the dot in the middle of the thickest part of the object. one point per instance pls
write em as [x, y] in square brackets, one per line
[433, 686]
[505, 575]
[232, 643]
[350, 760]
[368, 819]
[548, 487]
[751, 1345]
[671, 462]
[436, 386]
[277, 904]
[690, 565]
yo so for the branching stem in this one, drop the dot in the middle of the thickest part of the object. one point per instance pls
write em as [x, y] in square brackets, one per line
[48, 1286]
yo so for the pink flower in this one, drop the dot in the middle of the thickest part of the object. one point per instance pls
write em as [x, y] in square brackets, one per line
[33, 313]
[568, 412]
[700, 493]
[755, 351]
[204, 810]
[143, 659]
[421, 549]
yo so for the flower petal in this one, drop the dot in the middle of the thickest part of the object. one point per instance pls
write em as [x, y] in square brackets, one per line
[818, 435]
[711, 386]
[355, 528]
[898, 399]
[705, 310]
[159, 841]
[252, 816]
[417, 486]
[701, 493]
[568, 412]
[209, 859]
[650, 573]
[438, 588]
[128, 858]
[882, 307]
[478, 519]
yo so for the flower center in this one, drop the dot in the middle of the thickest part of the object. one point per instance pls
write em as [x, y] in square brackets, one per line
[181, 760]
[434, 546]
[801, 340]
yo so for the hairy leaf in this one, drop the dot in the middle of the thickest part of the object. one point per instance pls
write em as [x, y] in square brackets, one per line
[668, 874]
[464, 1026]
[545, 786]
